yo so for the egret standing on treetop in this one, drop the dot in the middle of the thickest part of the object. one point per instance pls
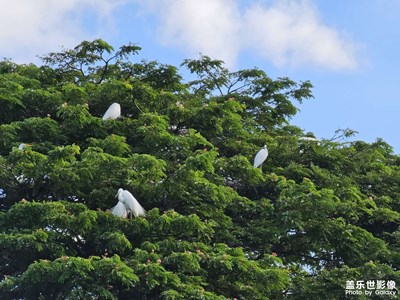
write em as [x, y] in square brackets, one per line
[113, 112]
[22, 146]
[119, 210]
[261, 156]
[308, 139]
[127, 204]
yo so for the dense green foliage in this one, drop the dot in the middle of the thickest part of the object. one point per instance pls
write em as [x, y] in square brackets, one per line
[315, 215]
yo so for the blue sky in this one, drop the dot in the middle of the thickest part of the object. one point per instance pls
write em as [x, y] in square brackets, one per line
[349, 50]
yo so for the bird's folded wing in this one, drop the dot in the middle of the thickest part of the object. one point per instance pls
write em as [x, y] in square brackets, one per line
[119, 210]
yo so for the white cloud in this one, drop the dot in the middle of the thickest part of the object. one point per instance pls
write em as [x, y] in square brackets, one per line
[207, 26]
[291, 33]
[286, 32]
[33, 27]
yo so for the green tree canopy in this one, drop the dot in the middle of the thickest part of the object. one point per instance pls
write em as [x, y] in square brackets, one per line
[317, 214]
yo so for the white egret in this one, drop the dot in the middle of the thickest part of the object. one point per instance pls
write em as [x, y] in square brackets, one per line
[261, 156]
[119, 210]
[308, 139]
[113, 112]
[22, 146]
[127, 204]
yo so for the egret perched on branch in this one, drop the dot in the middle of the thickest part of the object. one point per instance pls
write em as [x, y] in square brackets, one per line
[308, 139]
[261, 156]
[22, 146]
[119, 210]
[127, 204]
[113, 112]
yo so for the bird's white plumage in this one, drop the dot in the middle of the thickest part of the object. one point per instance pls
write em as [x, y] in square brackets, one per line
[119, 210]
[261, 156]
[22, 146]
[308, 139]
[130, 205]
[113, 112]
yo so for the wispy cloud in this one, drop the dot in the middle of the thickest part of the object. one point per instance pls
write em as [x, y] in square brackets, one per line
[34, 27]
[208, 26]
[291, 33]
[286, 32]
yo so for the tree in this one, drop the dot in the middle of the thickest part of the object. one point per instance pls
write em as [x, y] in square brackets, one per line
[317, 215]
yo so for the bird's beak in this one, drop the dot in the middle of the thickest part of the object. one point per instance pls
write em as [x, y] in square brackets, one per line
[116, 195]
